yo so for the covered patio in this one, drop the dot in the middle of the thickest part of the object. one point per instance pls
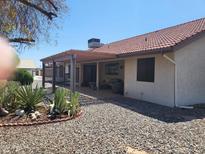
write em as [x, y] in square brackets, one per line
[84, 71]
[103, 94]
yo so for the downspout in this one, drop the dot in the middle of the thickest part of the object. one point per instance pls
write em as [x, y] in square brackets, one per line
[175, 83]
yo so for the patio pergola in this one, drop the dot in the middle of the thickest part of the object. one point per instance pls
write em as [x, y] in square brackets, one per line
[73, 57]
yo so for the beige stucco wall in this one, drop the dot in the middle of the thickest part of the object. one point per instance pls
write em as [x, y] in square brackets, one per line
[161, 91]
[190, 73]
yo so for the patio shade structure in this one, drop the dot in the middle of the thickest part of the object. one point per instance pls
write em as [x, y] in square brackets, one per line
[73, 57]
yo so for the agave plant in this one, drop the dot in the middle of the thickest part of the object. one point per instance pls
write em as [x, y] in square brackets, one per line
[28, 97]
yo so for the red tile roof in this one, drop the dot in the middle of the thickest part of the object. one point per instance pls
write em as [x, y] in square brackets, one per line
[155, 41]
[82, 56]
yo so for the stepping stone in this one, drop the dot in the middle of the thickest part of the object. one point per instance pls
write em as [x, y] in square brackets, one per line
[130, 150]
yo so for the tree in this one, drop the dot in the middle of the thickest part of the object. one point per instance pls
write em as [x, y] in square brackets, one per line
[25, 21]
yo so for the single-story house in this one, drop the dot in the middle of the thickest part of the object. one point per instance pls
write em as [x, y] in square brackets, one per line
[29, 65]
[166, 66]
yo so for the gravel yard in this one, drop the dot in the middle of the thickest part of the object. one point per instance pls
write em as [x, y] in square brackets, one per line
[110, 127]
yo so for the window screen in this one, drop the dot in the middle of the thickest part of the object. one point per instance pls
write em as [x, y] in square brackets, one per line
[112, 69]
[146, 69]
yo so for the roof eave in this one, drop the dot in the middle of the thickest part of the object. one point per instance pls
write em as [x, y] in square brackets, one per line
[146, 52]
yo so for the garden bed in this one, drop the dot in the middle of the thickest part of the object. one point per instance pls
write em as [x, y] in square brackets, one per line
[13, 120]
[24, 105]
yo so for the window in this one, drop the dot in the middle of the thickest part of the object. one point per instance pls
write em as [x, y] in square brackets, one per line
[112, 69]
[146, 69]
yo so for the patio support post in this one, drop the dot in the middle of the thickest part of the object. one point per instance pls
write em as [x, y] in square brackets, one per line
[97, 75]
[43, 75]
[54, 77]
[72, 72]
[64, 66]
[80, 74]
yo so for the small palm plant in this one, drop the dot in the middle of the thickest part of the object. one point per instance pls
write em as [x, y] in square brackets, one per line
[28, 97]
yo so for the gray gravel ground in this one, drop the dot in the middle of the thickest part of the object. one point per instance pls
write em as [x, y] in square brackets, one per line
[111, 126]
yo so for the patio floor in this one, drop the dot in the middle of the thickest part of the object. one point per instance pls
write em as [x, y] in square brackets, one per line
[97, 94]
[88, 92]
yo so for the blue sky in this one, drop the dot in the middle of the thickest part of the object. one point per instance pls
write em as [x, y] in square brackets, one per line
[112, 20]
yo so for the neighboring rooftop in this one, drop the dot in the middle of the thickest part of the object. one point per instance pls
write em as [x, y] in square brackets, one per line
[26, 63]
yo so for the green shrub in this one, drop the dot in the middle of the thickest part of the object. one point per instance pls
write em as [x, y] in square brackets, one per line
[28, 97]
[2, 96]
[74, 105]
[8, 96]
[24, 77]
[61, 103]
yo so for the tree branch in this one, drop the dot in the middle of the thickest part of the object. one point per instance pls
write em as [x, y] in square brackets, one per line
[21, 40]
[53, 5]
[50, 15]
